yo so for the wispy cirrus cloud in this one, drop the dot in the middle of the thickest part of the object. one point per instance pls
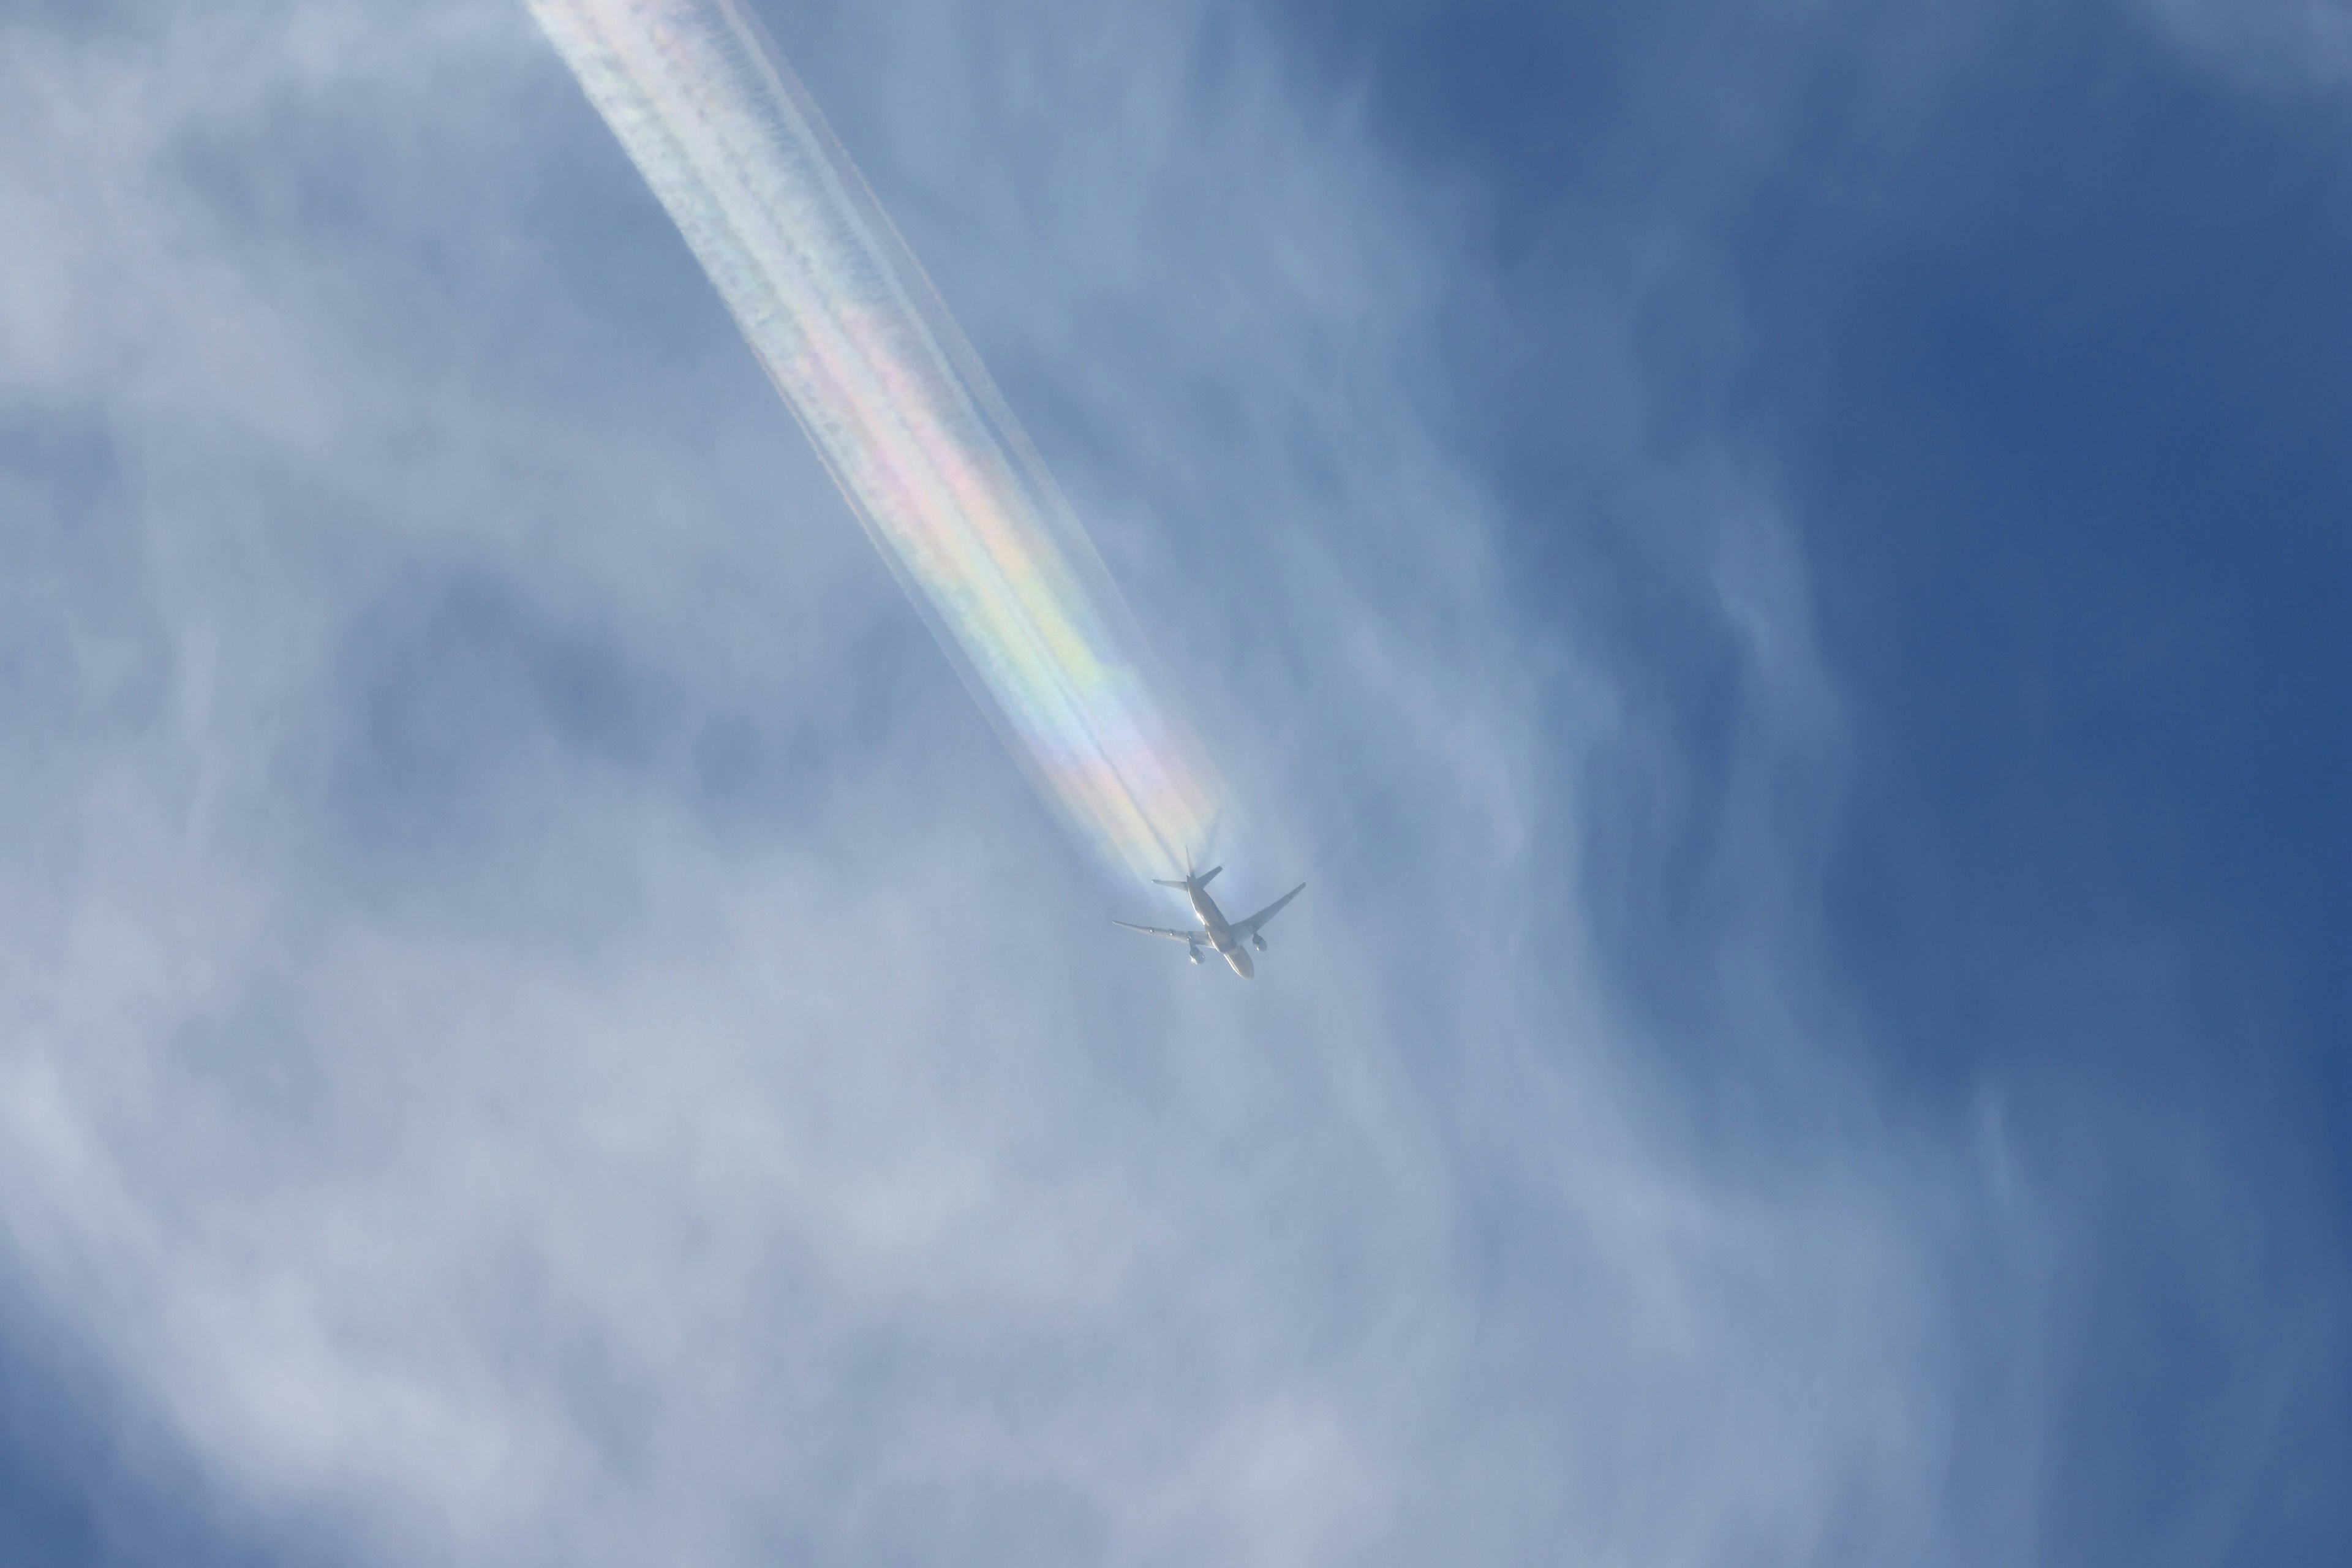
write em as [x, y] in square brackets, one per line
[541, 1026]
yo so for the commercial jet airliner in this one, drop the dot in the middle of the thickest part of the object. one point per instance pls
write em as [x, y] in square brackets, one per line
[1231, 941]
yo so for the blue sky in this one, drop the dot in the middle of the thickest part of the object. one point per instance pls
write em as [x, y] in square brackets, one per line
[1781, 569]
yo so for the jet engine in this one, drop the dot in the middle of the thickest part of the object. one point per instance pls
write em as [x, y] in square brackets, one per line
[1193, 954]
[1258, 942]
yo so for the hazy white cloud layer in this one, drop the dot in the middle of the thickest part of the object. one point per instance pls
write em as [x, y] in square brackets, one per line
[538, 1024]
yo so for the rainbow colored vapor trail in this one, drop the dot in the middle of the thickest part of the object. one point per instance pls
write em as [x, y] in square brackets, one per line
[901, 410]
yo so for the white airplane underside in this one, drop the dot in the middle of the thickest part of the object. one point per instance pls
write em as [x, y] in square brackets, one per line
[1231, 941]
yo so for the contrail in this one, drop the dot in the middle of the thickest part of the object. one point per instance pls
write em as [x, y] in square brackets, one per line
[901, 410]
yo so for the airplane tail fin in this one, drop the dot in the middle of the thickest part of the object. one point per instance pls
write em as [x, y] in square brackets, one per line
[1200, 880]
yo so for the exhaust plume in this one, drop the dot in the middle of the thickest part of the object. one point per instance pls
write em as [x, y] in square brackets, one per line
[901, 410]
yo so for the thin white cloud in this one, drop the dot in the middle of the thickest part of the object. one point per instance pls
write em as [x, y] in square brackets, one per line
[541, 1026]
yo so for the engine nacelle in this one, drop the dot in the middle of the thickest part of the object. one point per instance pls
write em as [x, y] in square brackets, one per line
[1193, 954]
[1258, 942]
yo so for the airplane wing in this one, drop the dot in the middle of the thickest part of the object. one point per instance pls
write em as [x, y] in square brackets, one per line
[1190, 936]
[1244, 929]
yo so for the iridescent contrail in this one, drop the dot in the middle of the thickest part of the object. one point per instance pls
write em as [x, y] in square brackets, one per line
[901, 408]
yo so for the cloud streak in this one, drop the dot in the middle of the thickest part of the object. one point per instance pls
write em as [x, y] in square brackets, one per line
[537, 1028]
[913, 430]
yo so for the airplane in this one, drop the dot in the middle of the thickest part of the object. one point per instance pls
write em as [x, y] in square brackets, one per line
[1231, 941]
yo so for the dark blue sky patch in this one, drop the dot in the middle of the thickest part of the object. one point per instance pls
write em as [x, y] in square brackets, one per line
[82, 1484]
[80, 660]
[462, 698]
[2075, 527]
[2050, 372]
[459, 689]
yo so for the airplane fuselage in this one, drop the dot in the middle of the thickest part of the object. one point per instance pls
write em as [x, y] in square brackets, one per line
[1232, 939]
[1221, 935]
